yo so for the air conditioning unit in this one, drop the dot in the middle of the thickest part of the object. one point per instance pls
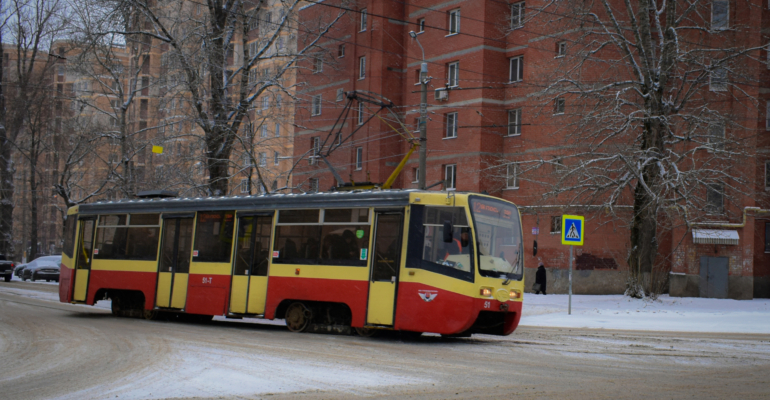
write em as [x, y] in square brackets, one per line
[441, 94]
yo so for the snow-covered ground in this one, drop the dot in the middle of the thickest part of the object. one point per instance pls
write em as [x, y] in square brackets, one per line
[683, 314]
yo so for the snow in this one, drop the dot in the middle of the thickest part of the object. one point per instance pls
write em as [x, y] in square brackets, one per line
[682, 314]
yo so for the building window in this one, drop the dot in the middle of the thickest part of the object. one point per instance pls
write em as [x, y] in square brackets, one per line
[556, 224]
[277, 130]
[362, 67]
[767, 115]
[265, 103]
[313, 183]
[341, 51]
[421, 25]
[363, 20]
[517, 15]
[514, 122]
[512, 176]
[516, 72]
[360, 113]
[263, 131]
[718, 80]
[244, 185]
[720, 14]
[416, 175]
[453, 74]
[451, 125]
[450, 176]
[561, 49]
[318, 65]
[715, 197]
[454, 22]
[262, 159]
[275, 158]
[767, 175]
[315, 107]
[340, 94]
[359, 158]
[558, 106]
[716, 137]
[315, 145]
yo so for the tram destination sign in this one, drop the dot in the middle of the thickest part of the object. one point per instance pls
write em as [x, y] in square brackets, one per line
[572, 230]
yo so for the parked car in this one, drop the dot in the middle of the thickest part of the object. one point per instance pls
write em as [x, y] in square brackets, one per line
[19, 269]
[46, 267]
[6, 268]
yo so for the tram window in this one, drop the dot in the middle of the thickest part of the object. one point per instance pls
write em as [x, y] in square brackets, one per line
[298, 216]
[347, 215]
[69, 234]
[297, 244]
[214, 236]
[342, 244]
[427, 249]
[116, 241]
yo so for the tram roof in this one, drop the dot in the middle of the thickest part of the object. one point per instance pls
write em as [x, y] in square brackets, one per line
[369, 198]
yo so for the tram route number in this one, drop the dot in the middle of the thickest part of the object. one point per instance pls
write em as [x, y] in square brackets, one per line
[207, 279]
[487, 304]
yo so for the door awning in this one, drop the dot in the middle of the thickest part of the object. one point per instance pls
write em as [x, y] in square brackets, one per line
[715, 236]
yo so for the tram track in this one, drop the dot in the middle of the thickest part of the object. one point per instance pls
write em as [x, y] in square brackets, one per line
[54, 350]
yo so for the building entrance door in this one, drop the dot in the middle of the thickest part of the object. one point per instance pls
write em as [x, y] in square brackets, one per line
[713, 277]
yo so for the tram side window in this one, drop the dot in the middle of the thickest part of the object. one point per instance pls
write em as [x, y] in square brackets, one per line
[69, 235]
[214, 236]
[341, 239]
[116, 239]
[427, 249]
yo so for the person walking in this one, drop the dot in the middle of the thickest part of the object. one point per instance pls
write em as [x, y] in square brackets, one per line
[540, 280]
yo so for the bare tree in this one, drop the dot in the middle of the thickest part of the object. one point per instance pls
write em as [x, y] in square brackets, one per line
[650, 97]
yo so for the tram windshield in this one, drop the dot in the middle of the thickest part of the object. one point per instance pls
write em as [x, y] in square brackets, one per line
[499, 238]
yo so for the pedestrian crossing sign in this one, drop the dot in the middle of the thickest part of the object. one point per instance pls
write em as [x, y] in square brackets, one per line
[572, 228]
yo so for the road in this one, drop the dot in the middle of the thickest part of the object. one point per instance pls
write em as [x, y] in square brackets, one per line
[54, 350]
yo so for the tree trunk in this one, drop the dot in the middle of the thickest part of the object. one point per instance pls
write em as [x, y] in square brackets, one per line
[33, 210]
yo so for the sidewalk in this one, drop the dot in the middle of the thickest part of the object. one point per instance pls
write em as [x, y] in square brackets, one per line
[684, 314]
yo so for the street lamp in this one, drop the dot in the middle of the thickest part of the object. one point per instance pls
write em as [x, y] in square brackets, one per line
[423, 114]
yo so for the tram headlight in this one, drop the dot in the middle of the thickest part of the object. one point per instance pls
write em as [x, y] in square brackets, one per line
[514, 294]
[486, 291]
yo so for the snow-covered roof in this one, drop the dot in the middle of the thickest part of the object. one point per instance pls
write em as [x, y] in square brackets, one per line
[715, 236]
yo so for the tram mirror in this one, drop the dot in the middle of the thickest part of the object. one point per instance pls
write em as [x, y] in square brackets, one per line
[448, 232]
[534, 248]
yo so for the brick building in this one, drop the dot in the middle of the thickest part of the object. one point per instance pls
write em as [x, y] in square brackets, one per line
[487, 63]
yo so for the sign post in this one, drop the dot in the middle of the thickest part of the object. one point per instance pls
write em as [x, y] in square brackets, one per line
[572, 229]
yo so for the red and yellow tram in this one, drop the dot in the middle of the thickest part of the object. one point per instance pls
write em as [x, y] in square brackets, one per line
[417, 261]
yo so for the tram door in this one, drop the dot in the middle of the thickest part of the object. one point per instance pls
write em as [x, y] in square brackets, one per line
[385, 263]
[83, 258]
[174, 264]
[252, 253]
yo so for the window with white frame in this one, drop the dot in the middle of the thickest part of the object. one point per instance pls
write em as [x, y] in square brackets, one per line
[558, 106]
[450, 176]
[341, 51]
[359, 158]
[421, 25]
[720, 14]
[416, 175]
[516, 69]
[517, 15]
[315, 145]
[278, 101]
[556, 224]
[276, 161]
[360, 113]
[453, 74]
[362, 67]
[263, 131]
[454, 22]
[512, 176]
[262, 159]
[362, 26]
[244, 185]
[340, 94]
[313, 185]
[718, 80]
[767, 175]
[318, 65]
[451, 125]
[514, 122]
[277, 130]
[315, 106]
[265, 103]
[561, 49]
[716, 136]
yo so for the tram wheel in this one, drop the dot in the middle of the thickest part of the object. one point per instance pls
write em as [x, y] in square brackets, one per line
[115, 307]
[367, 332]
[150, 315]
[298, 317]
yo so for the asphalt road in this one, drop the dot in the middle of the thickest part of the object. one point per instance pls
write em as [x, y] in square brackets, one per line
[54, 350]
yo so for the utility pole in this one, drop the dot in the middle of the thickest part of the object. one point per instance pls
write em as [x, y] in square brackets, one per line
[423, 124]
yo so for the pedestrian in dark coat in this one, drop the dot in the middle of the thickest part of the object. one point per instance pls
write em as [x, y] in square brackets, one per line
[540, 280]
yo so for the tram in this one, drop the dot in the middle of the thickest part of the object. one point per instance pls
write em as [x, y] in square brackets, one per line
[406, 260]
